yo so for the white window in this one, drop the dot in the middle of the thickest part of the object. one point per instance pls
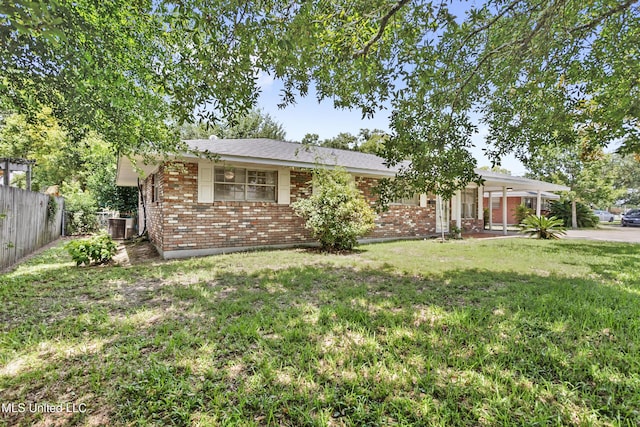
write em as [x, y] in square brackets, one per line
[408, 201]
[495, 203]
[155, 197]
[244, 184]
[469, 202]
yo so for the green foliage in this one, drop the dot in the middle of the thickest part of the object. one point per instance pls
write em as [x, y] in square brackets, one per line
[297, 338]
[627, 170]
[486, 217]
[590, 175]
[52, 208]
[91, 162]
[41, 139]
[434, 66]
[562, 209]
[455, 233]
[256, 124]
[337, 214]
[81, 208]
[496, 169]
[521, 212]
[367, 141]
[542, 227]
[95, 250]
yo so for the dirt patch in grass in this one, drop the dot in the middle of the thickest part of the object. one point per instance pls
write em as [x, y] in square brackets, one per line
[136, 252]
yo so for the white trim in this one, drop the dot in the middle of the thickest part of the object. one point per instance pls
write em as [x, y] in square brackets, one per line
[284, 186]
[205, 182]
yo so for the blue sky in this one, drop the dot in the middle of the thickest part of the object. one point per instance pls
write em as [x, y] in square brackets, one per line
[309, 116]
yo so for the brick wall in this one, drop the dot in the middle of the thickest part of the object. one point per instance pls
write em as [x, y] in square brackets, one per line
[178, 222]
[398, 220]
[301, 184]
[189, 225]
[472, 225]
[512, 203]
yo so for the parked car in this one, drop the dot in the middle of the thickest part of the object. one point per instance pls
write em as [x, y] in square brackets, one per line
[631, 218]
[604, 216]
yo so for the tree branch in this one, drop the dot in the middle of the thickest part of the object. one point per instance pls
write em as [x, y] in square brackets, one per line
[490, 23]
[594, 23]
[383, 24]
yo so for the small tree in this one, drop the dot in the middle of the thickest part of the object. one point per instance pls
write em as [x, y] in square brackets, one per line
[337, 214]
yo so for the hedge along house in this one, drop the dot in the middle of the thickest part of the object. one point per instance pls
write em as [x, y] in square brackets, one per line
[242, 200]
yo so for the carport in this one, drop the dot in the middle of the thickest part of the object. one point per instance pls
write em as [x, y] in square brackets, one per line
[499, 185]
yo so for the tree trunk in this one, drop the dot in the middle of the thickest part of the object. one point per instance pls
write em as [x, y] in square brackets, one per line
[441, 218]
[574, 214]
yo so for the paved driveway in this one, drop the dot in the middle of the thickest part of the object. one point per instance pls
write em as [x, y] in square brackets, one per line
[611, 233]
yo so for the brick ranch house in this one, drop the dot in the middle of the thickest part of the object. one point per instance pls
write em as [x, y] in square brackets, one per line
[196, 206]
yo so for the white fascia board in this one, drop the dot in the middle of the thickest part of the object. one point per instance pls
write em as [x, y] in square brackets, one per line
[497, 181]
[126, 173]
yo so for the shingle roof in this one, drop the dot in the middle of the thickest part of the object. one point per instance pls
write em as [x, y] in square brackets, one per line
[295, 153]
[292, 154]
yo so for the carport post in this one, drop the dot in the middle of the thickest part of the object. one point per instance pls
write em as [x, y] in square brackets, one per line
[504, 210]
[538, 203]
[490, 211]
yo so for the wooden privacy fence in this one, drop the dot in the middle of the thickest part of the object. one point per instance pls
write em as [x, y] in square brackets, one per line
[25, 224]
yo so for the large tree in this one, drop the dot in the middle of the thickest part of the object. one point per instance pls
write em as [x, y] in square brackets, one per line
[87, 166]
[627, 178]
[367, 141]
[256, 124]
[591, 179]
[560, 72]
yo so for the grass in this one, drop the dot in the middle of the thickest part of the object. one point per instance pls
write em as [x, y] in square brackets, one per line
[475, 332]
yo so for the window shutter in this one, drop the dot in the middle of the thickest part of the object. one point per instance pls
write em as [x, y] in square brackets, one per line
[423, 200]
[205, 183]
[284, 186]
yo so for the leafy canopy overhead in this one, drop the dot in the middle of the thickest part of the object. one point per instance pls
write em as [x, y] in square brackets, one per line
[544, 72]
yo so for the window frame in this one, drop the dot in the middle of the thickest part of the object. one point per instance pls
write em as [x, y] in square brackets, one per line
[245, 184]
[465, 194]
[154, 189]
[413, 201]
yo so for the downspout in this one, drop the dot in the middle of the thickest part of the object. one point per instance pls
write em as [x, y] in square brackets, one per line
[144, 209]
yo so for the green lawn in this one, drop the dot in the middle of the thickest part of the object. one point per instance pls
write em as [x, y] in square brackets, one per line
[474, 332]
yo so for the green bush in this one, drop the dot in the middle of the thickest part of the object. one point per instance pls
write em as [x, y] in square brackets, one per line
[485, 217]
[562, 209]
[81, 208]
[521, 212]
[542, 227]
[337, 214]
[95, 250]
[52, 208]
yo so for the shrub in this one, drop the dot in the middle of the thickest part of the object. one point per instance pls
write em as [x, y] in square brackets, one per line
[562, 209]
[52, 208]
[486, 218]
[81, 208]
[95, 250]
[337, 214]
[521, 212]
[542, 227]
